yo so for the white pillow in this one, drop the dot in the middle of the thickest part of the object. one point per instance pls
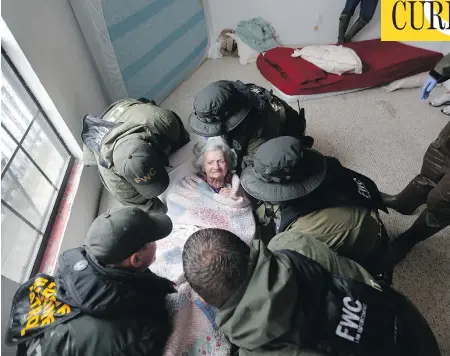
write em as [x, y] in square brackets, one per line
[413, 81]
[331, 59]
[246, 53]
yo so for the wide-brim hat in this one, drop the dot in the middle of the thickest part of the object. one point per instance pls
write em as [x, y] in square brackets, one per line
[284, 170]
[220, 107]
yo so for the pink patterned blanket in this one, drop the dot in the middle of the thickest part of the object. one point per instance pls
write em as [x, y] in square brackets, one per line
[192, 201]
[193, 205]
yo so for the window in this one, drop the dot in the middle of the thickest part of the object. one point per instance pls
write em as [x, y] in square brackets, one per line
[35, 164]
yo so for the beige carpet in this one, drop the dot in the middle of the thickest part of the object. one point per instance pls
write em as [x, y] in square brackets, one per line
[383, 135]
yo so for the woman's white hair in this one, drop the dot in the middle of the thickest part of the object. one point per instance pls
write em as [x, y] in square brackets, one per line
[213, 144]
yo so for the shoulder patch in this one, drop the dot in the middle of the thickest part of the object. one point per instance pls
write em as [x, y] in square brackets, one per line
[80, 265]
[236, 145]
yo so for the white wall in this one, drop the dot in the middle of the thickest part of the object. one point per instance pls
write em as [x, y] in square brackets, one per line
[294, 20]
[49, 36]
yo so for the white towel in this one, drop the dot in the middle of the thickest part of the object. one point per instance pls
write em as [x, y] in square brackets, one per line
[331, 59]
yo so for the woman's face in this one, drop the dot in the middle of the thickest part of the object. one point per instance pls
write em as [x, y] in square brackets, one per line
[215, 164]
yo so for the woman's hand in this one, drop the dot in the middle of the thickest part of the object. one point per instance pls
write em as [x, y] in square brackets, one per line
[215, 182]
[229, 192]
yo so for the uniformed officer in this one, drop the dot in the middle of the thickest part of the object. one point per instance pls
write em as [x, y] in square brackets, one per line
[130, 142]
[317, 196]
[246, 116]
[431, 187]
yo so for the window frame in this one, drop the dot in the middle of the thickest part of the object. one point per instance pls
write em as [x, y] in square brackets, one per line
[53, 208]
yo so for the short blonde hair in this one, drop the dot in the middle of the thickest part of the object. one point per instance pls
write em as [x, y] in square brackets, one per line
[213, 144]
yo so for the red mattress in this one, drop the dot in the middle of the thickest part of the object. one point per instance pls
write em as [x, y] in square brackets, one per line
[383, 62]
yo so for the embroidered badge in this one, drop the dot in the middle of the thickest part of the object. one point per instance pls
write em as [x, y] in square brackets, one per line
[236, 145]
[80, 265]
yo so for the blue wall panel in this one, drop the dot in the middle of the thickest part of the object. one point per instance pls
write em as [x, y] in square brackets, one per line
[157, 43]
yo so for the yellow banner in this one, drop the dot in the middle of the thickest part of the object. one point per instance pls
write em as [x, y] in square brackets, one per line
[35, 309]
[415, 20]
[43, 305]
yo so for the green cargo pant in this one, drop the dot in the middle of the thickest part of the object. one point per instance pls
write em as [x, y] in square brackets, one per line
[436, 171]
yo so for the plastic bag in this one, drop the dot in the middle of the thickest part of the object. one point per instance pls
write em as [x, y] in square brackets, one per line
[214, 51]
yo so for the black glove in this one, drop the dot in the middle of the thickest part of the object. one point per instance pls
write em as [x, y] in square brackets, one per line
[307, 141]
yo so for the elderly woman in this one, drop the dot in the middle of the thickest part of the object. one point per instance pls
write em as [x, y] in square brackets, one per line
[212, 197]
[215, 162]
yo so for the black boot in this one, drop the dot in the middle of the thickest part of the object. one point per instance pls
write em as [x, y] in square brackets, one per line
[410, 198]
[344, 20]
[357, 26]
[424, 227]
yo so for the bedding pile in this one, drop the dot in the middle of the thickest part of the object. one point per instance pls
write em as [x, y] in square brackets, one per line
[251, 37]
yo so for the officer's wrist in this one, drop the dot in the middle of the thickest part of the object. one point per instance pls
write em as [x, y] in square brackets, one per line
[435, 75]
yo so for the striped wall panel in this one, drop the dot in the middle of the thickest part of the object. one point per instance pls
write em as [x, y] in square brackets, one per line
[155, 44]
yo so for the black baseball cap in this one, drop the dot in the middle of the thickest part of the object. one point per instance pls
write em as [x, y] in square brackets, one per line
[117, 234]
[142, 166]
